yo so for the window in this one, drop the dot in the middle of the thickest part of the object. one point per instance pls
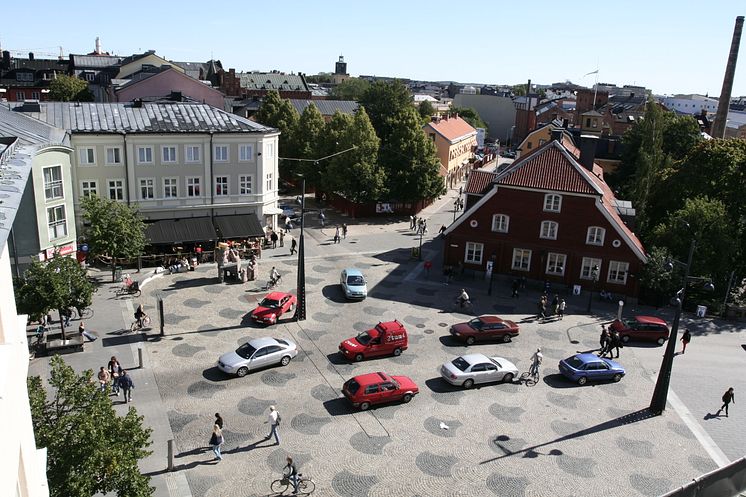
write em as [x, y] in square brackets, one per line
[88, 188]
[556, 264]
[168, 154]
[269, 150]
[245, 152]
[144, 155]
[193, 189]
[552, 202]
[56, 222]
[170, 188]
[53, 183]
[595, 236]
[529, 145]
[221, 153]
[87, 156]
[521, 259]
[474, 252]
[549, 230]
[618, 272]
[269, 181]
[36, 95]
[24, 76]
[113, 155]
[500, 223]
[221, 186]
[116, 189]
[586, 270]
[20, 96]
[193, 153]
[147, 187]
[244, 185]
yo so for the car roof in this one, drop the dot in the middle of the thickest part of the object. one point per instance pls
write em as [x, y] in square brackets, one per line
[488, 318]
[588, 357]
[389, 325]
[371, 378]
[258, 343]
[650, 320]
[276, 295]
[351, 271]
[475, 358]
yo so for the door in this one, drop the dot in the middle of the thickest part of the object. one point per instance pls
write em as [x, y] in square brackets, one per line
[477, 373]
[389, 392]
[376, 347]
[372, 394]
[491, 373]
[259, 359]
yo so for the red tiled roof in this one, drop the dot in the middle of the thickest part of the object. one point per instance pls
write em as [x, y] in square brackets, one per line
[451, 128]
[479, 181]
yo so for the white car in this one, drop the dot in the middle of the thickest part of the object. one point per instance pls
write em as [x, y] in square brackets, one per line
[469, 369]
[257, 353]
[353, 284]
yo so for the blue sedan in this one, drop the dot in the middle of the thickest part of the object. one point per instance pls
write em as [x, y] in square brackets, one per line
[584, 367]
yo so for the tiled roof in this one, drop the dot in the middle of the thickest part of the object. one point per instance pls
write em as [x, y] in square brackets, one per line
[452, 128]
[272, 81]
[479, 181]
[150, 117]
[326, 107]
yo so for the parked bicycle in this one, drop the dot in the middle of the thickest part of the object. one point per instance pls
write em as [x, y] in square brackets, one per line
[84, 313]
[129, 287]
[306, 486]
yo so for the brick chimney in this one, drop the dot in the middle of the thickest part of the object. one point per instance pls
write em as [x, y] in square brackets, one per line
[588, 145]
[718, 127]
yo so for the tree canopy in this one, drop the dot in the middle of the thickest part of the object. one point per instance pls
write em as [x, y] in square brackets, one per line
[66, 88]
[279, 113]
[470, 116]
[426, 110]
[308, 143]
[350, 89]
[90, 449]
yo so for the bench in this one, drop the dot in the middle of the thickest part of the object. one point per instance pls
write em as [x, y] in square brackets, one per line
[72, 344]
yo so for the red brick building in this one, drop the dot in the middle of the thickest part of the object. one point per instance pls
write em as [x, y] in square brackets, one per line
[550, 217]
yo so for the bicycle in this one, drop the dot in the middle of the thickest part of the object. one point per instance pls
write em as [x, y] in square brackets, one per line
[306, 486]
[466, 306]
[40, 342]
[531, 377]
[137, 326]
[271, 283]
[84, 313]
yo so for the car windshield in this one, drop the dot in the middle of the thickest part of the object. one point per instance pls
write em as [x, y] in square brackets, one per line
[246, 350]
[364, 338]
[353, 386]
[270, 303]
[476, 323]
[355, 280]
[460, 363]
[574, 362]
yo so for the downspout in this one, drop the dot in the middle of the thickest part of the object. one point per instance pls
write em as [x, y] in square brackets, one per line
[211, 186]
[126, 168]
[15, 253]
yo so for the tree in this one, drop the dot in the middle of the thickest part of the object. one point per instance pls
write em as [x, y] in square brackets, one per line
[350, 89]
[116, 230]
[323, 77]
[279, 113]
[426, 110]
[90, 449]
[383, 100]
[308, 144]
[66, 88]
[470, 116]
[738, 294]
[655, 276]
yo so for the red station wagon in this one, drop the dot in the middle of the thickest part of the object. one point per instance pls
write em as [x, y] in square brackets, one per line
[389, 338]
[485, 328]
[378, 388]
[643, 328]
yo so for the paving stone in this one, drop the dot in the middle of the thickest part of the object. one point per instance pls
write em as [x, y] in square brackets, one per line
[185, 350]
[637, 448]
[433, 426]
[361, 442]
[179, 420]
[232, 314]
[435, 465]
[577, 466]
[204, 389]
[565, 401]
[252, 406]
[345, 483]
[508, 414]
[275, 378]
[648, 485]
[507, 486]
[307, 424]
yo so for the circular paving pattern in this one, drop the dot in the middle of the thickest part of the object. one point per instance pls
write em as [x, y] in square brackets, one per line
[179, 420]
[433, 425]
[174, 318]
[564, 428]
[506, 413]
[307, 424]
[231, 314]
[701, 464]
[577, 466]
[361, 442]
[323, 317]
[252, 406]
[323, 393]
[505, 445]
[276, 378]
[204, 389]
[680, 429]
[647, 485]
[560, 400]
[507, 486]
[196, 303]
[185, 350]
[346, 484]
[435, 465]
[637, 448]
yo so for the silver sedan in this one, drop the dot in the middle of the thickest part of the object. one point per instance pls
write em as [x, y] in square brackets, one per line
[469, 369]
[257, 353]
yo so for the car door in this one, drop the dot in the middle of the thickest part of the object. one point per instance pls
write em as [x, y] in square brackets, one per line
[491, 373]
[476, 373]
[284, 304]
[375, 347]
[372, 394]
[259, 359]
[389, 392]
[273, 355]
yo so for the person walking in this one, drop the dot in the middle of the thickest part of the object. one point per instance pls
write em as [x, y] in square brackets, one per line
[685, 339]
[219, 420]
[216, 440]
[282, 239]
[555, 304]
[273, 237]
[616, 343]
[561, 308]
[344, 231]
[274, 419]
[515, 286]
[336, 235]
[293, 246]
[428, 265]
[542, 306]
[728, 397]
[83, 332]
[605, 341]
[115, 370]
[126, 384]
[322, 218]
[103, 378]
[411, 221]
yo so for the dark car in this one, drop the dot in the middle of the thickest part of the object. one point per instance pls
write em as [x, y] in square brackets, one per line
[378, 388]
[485, 328]
[643, 328]
[582, 368]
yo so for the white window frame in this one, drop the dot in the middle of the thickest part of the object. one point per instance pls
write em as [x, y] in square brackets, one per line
[111, 184]
[54, 223]
[191, 184]
[586, 268]
[87, 156]
[269, 150]
[552, 202]
[595, 236]
[220, 157]
[269, 181]
[189, 153]
[171, 183]
[471, 251]
[226, 183]
[522, 257]
[556, 264]
[615, 269]
[117, 151]
[54, 189]
[147, 183]
[144, 150]
[242, 155]
[175, 149]
[549, 230]
[245, 184]
[500, 223]
[88, 188]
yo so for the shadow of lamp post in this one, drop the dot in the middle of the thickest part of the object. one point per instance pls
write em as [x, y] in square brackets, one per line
[491, 269]
[594, 280]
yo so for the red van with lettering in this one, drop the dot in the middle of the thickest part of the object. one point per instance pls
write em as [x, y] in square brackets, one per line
[389, 338]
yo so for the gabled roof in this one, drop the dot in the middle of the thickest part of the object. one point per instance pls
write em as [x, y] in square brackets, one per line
[273, 81]
[94, 61]
[326, 107]
[142, 76]
[479, 181]
[452, 128]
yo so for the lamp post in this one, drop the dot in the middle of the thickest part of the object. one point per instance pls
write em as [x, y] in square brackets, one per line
[419, 252]
[455, 208]
[594, 278]
[300, 310]
[493, 257]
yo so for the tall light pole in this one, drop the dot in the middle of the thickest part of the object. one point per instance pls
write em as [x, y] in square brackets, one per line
[300, 309]
[594, 278]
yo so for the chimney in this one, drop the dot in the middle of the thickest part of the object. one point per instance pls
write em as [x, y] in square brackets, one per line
[557, 135]
[588, 151]
[718, 127]
[98, 46]
[31, 56]
[6, 59]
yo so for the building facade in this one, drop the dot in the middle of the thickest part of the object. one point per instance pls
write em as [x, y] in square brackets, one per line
[456, 142]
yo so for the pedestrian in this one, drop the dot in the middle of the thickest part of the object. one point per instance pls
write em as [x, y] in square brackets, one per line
[198, 251]
[126, 384]
[66, 315]
[515, 286]
[728, 397]
[282, 239]
[428, 265]
[322, 218]
[273, 237]
[685, 339]
[460, 190]
[81, 329]
[219, 420]
[542, 308]
[555, 304]
[561, 309]
[442, 229]
[274, 423]
[216, 440]
[293, 245]
[411, 221]
[288, 224]
[616, 343]
[604, 341]
[336, 235]
[344, 231]
[414, 223]
[115, 370]
[103, 378]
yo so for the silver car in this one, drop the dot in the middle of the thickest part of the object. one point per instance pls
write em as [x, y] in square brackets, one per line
[353, 284]
[257, 353]
[469, 369]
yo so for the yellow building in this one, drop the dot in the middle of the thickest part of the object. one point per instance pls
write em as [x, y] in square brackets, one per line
[456, 142]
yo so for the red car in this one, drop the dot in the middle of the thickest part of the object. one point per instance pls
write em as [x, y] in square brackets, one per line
[389, 338]
[485, 328]
[273, 306]
[643, 328]
[378, 388]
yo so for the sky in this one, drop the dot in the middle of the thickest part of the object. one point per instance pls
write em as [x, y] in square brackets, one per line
[665, 45]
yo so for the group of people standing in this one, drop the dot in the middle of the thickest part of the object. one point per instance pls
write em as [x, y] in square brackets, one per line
[557, 307]
[418, 225]
[609, 341]
[339, 234]
[116, 378]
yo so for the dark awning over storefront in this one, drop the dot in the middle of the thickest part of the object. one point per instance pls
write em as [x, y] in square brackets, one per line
[186, 230]
[239, 226]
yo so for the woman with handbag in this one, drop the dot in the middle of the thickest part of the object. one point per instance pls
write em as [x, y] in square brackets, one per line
[216, 440]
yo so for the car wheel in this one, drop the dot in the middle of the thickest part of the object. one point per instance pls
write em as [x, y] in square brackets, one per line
[359, 357]
[469, 340]
[364, 406]
[468, 383]
[582, 380]
[625, 338]
[506, 338]
[508, 378]
[617, 377]
[661, 341]
[407, 397]
[397, 352]
[242, 372]
[285, 360]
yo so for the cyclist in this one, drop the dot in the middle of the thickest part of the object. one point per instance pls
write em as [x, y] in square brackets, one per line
[140, 315]
[291, 473]
[274, 277]
[536, 359]
[463, 299]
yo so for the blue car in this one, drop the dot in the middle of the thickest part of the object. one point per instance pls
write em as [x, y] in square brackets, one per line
[584, 367]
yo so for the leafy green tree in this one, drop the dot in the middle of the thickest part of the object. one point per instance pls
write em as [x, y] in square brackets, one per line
[738, 294]
[279, 113]
[90, 449]
[383, 100]
[308, 144]
[350, 89]
[426, 110]
[320, 78]
[66, 88]
[656, 277]
[116, 230]
[470, 116]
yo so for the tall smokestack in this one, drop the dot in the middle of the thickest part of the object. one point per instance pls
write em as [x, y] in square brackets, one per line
[718, 127]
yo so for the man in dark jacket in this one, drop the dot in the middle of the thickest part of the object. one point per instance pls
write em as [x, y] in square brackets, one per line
[126, 384]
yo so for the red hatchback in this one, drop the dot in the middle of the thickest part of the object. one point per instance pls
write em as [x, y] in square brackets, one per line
[643, 328]
[485, 328]
[378, 388]
[273, 306]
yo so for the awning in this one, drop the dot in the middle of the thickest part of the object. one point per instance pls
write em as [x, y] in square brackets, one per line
[185, 230]
[239, 226]
[270, 210]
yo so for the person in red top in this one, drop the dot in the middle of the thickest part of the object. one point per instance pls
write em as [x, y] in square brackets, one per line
[428, 266]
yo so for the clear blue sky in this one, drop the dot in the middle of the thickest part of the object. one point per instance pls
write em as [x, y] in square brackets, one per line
[668, 46]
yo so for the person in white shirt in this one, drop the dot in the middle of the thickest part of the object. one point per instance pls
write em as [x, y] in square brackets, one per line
[274, 423]
[536, 359]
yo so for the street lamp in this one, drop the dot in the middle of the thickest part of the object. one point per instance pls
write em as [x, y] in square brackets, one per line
[660, 394]
[419, 252]
[300, 310]
[491, 263]
[594, 277]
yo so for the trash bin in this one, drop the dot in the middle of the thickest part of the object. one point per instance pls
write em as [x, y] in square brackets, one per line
[701, 311]
[415, 252]
[117, 273]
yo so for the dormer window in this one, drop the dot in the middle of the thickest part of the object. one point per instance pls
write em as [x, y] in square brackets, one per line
[552, 202]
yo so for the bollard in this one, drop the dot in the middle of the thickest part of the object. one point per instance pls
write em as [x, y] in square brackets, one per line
[170, 455]
[139, 357]
[619, 311]
[160, 315]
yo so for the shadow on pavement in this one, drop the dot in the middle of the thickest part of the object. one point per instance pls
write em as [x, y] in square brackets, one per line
[123, 339]
[339, 407]
[334, 293]
[191, 283]
[439, 385]
[449, 341]
[214, 374]
[264, 442]
[337, 359]
[559, 381]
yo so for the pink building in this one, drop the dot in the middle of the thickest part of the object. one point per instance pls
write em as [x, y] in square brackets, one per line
[164, 83]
